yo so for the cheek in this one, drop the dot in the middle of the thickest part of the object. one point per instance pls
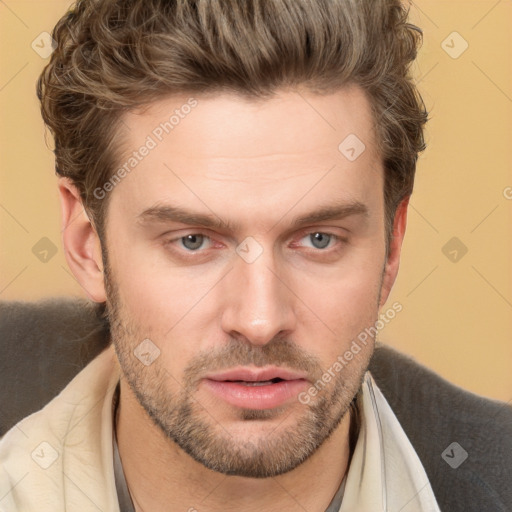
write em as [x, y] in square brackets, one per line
[341, 304]
[143, 278]
[162, 302]
[346, 304]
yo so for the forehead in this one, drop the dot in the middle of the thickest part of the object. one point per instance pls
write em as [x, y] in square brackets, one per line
[227, 151]
[236, 126]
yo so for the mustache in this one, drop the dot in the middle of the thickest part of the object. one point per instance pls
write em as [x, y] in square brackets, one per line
[277, 352]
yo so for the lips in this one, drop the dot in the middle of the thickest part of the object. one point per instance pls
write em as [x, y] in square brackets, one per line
[262, 388]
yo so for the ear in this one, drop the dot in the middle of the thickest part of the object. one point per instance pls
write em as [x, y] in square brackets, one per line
[81, 242]
[395, 248]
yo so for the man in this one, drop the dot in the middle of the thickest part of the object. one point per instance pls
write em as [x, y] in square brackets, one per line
[234, 181]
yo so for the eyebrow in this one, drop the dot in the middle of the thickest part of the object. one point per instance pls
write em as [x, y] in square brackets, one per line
[169, 213]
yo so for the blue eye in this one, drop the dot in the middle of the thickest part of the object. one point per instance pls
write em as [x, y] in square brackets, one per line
[320, 240]
[193, 242]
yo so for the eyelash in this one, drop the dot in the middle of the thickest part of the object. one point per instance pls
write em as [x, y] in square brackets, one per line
[186, 253]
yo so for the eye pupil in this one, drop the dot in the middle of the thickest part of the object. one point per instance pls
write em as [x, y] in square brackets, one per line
[192, 242]
[320, 240]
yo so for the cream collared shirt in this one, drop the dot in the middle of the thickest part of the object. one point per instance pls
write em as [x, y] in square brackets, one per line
[61, 458]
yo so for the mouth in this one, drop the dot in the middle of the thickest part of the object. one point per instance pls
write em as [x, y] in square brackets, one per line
[258, 382]
[265, 388]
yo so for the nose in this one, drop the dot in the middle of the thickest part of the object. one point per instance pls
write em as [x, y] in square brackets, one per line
[258, 304]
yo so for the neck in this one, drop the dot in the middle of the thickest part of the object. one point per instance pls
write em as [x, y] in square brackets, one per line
[160, 473]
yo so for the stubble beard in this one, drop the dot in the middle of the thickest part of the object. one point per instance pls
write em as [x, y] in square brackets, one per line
[189, 424]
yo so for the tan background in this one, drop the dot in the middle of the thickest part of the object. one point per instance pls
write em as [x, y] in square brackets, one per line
[457, 315]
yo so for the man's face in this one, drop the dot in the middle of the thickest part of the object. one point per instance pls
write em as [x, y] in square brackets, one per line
[255, 296]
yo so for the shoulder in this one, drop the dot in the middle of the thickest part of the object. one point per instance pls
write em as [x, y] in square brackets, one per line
[70, 437]
[463, 440]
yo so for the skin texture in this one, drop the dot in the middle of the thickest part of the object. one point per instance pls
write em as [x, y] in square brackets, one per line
[257, 165]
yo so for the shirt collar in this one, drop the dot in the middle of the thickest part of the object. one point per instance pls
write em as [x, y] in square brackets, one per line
[385, 472]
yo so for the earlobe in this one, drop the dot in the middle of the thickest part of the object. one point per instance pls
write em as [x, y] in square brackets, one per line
[395, 247]
[81, 243]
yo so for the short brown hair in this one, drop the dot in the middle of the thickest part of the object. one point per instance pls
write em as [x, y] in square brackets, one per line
[113, 56]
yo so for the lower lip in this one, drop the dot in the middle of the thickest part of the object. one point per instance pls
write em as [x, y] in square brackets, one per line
[267, 396]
